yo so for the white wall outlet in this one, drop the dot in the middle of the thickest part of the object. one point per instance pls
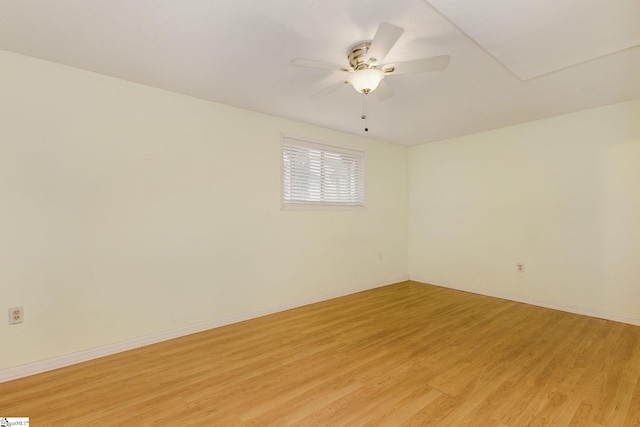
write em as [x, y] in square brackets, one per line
[520, 267]
[16, 315]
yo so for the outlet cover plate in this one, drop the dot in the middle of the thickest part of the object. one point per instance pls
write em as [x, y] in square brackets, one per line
[16, 315]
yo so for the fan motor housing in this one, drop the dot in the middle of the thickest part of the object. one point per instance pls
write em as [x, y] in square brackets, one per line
[356, 55]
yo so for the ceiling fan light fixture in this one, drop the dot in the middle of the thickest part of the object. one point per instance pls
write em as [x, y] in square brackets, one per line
[367, 80]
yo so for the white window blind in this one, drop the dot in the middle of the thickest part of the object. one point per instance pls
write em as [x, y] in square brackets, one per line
[317, 174]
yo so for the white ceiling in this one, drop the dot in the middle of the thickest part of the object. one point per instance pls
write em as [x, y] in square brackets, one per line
[533, 38]
[527, 60]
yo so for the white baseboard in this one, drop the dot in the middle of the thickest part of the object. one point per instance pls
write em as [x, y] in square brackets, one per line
[600, 314]
[94, 353]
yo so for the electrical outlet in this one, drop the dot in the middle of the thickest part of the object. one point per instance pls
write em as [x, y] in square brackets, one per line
[16, 315]
[520, 267]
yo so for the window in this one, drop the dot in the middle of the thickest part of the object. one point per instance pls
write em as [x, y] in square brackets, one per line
[318, 174]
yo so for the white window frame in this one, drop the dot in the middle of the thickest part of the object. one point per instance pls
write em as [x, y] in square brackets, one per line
[301, 141]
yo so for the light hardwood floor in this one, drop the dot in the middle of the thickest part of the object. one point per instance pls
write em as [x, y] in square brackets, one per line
[406, 354]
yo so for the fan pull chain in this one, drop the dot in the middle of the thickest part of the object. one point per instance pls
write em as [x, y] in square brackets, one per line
[364, 113]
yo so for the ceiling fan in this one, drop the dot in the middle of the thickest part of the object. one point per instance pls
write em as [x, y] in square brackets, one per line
[366, 69]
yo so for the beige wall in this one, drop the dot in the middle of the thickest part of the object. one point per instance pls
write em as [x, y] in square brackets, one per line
[129, 211]
[560, 195]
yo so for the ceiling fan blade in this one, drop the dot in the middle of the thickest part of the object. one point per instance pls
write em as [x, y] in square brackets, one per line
[329, 90]
[383, 91]
[312, 63]
[386, 36]
[434, 63]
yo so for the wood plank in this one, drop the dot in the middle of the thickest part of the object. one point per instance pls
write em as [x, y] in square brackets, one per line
[405, 354]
